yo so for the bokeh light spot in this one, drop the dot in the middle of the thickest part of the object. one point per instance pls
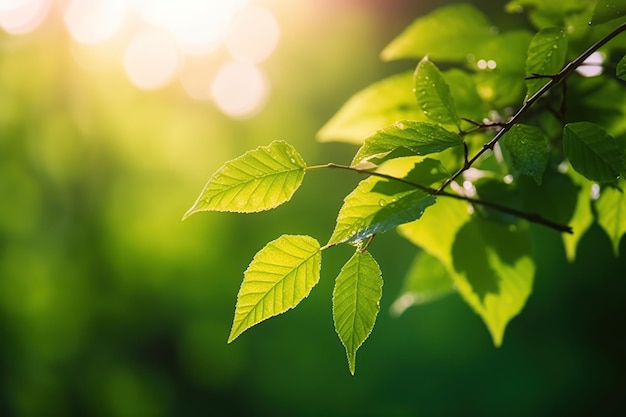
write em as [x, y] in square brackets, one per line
[22, 16]
[239, 89]
[151, 59]
[95, 21]
[253, 35]
[592, 66]
[198, 26]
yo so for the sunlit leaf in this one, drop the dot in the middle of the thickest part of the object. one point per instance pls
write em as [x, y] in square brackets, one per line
[582, 216]
[611, 212]
[377, 204]
[449, 33]
[494, 279]
[433, 94]
[378, 105]
[592, 151]
[607, 10]
[420, 138]
[356, 302]
[621, 68]
[528, 149]
[435, 232]
[546, 56]
[280, 276]
[427, 281]
[258, 180]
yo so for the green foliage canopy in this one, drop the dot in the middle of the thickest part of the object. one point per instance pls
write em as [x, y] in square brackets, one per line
[468, 206]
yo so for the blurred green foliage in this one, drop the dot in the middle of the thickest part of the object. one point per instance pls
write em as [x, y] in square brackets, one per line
[110, 306]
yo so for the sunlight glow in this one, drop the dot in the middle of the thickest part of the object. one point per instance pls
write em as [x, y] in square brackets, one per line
[156, 41]
[95, 21]
[198, 26]
[151, 59]
[22, 16]
[239, 90]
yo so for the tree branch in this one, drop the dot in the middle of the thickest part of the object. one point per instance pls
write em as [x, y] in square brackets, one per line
[531, 217]
[553, 81]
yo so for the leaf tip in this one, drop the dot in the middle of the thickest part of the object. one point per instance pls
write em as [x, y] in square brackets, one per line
[234, 334]
[496, 337]
[188, 213]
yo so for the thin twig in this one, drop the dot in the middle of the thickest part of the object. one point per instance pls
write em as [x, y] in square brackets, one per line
[553, 81]
[531, 217]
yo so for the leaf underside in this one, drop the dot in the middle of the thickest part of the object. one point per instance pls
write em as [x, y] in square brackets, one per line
[280, 276]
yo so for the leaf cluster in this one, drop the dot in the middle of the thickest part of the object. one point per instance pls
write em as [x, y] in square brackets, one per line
[462, 162]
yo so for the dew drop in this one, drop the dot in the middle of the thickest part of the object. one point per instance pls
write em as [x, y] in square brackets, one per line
[382, 202]
[293, 161]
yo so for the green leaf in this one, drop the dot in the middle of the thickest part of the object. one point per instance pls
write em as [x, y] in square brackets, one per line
[494, 279]
[611, 212]
[607, 10]
[426, 281]
[546, 56]
[592, 151]
[420, 138]
[378, 204]
[464, 91]
[582, 216]
[433, 94]
[621, 68]
[528, 149]
[356, 302]
[258, 180]
[280, 276]
[378, 105]
[447, 34]
[436, 231]
[544, 13]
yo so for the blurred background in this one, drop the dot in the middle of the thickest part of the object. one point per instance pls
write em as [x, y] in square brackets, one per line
[114, 114]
